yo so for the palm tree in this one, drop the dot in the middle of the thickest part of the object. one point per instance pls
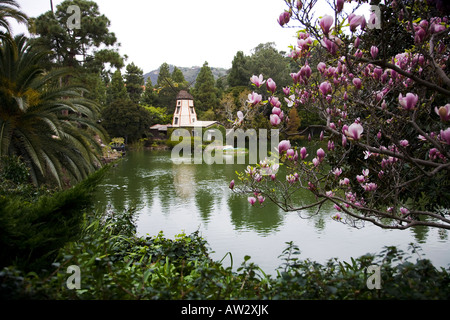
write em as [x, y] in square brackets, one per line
[47, 123]
[10, 9]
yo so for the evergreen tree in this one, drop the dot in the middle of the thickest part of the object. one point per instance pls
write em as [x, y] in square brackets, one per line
[116, 89]
[134, 81]
[205, 92]
[239, 74]
[149, 96]
[163, 76]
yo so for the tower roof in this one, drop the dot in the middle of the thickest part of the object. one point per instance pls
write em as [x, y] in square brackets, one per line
[184, 95]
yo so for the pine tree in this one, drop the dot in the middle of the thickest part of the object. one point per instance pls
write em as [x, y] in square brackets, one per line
[164, 75]
[116, 89]
[134, 80]
[239, 74]
[205, 92]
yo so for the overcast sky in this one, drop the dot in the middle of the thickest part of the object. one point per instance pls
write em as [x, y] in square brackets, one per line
[187, 33]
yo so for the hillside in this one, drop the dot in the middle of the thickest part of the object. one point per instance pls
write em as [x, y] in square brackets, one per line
[190, 74]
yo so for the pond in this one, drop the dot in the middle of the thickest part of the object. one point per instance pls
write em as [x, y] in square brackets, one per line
[176, 198]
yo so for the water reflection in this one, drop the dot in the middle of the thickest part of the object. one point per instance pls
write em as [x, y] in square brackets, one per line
[175, 197]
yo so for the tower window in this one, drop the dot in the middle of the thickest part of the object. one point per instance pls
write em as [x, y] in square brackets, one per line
[176, 120]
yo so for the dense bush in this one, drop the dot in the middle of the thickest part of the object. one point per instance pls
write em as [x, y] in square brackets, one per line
[115, 264]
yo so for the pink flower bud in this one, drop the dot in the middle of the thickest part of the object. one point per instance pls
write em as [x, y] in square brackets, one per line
[232, 184]
[325, 23]
[251, 200]
[303, 152]
[374, 51]
[409, 101]
[271, 85]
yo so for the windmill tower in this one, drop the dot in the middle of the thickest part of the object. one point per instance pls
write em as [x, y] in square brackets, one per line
[184, 115]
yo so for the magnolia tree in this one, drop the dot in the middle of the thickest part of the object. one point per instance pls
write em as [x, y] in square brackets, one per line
[381, 86]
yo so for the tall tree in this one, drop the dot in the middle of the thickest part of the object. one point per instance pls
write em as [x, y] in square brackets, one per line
[164, 75]
[74, 47]
[116, 89]
[239, 74]
[134, 81]
[149, 96]
[205, 91]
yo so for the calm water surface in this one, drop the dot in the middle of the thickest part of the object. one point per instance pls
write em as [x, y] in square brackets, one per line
[176, 198]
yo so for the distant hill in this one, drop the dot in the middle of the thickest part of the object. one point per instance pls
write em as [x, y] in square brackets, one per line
[190, 74]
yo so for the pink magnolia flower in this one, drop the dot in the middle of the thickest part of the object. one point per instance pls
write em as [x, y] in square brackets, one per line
[404, 211]
[357, 42]
[257, 81]
[344, 181]
[271, 85]
[325, 88]
[409, 101]
[325, 23]
[360, 179]
[284, 18]
[337, 217]
[240, 116]
[261, 199]
[404, 143]
[275, 119]
[251, 200]
[337, 172]
[290, 153]
[232, 184]
[354, 131]
[357, 83]
[443, 112]
[320, 154]
[339, 5]
[445, 135]
[321, 66]
[303, 152]
[284, 145]
[316, 162]
[286, 90]
[254, 98]
[374, 51]
[276, 110]
[337, 207]
[356, 21]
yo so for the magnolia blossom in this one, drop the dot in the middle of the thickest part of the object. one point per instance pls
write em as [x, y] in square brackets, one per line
[445, 135]
[286, 90]
[290, 101]
[320, 154]
[284, 18]
[344, 181]
[254, 98]
[360, 179]
[325, 23]
[261, 199]
[443, 112]
[325, 88]
[251, 200]
[303, 153]
[357, 83]
[404, 211]
[257, 81]
[404, 143]
[337, 172]
[409, 101]
[232, 184]
[284, 145]
[356, 21]
[240, 116]
[374, 51]
[271, 85]
[337, 207]
[339, 5]
[354, 131]
[275, 120]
